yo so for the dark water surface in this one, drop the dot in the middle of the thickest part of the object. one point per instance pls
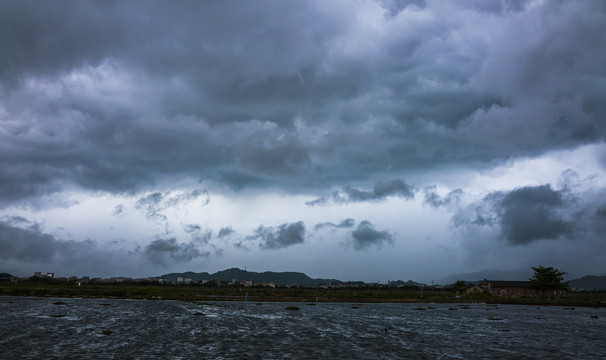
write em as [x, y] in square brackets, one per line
[32, 328]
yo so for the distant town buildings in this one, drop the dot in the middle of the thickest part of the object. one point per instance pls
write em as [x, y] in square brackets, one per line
[492, 287]
[38, 274]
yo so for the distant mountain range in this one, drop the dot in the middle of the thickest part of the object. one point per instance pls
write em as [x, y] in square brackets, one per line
[278, 278]
[409, 283]
[589, 282]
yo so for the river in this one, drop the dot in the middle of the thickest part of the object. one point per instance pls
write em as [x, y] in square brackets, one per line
[47, 328]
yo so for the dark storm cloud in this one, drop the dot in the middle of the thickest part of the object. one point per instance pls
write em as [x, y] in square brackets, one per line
[169, 251]
[598, 219]
[114, 96]
[281, 157]
[530, 213]
[24, 241]
[30, 244]
[381, 191]
[525, 214]
[433, 199]
[601, 213]
[281, 236]
[343, 224]
[365, 236]
[530, 225]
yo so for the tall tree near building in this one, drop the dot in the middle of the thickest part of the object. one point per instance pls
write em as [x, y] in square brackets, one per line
[549, 278]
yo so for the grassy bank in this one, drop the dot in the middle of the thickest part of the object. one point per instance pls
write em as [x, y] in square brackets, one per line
[200, 293]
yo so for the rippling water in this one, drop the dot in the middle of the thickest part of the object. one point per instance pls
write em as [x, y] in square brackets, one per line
[32, 328]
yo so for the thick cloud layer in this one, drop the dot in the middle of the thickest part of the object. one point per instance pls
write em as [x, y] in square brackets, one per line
[135, 109]
[117, 97]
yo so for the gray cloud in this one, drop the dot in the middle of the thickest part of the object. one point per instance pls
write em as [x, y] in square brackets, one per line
[190, 228]
[202, 237]
[169, 252]
[281, 236]
[151, 204]
[433, 199]
[525, 215]
[365, 236]
[381, 191]
[324, 225]
[225, 232]
[196, 233]
[154, 203]
[15, 220]
[31, 244]
[25, 242]
[343, 224]
[394, 7]
[189, 196]
[347, 223]
[530, 213]
[119, 210]
[120, 96]
[535, 224]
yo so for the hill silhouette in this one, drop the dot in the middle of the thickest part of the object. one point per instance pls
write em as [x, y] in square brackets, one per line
[588, 282]
[289, 278]
[278, 278]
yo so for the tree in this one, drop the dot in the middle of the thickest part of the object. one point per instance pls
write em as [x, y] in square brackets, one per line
[5, 276]
[548, 278]
[458, 286]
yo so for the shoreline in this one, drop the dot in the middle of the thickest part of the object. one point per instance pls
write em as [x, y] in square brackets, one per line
[566, 305]
[562, 302]
[194, 293]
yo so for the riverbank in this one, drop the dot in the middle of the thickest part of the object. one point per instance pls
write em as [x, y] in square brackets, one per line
[305, 295]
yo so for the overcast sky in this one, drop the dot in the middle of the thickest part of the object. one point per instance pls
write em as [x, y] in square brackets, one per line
[357, 140]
